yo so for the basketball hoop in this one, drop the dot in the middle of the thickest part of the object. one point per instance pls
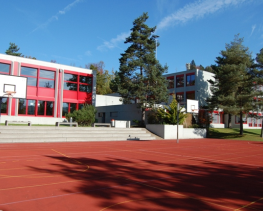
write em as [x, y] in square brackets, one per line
[9, 93]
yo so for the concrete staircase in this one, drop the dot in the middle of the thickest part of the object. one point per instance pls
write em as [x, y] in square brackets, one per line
[27, 134]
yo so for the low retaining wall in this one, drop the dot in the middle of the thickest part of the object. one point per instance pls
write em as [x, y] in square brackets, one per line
[122, 124]
[170, 131]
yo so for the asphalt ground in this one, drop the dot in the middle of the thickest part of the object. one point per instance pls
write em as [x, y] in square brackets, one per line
[197, 174]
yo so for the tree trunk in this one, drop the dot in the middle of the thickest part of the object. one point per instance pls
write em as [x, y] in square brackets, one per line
[241, 123]
[229, 121]
[261, 135]
[143, 118]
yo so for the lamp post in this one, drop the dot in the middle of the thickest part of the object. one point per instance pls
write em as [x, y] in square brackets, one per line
[178, 98]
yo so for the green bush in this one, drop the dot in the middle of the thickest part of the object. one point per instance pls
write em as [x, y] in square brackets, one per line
[85, 116]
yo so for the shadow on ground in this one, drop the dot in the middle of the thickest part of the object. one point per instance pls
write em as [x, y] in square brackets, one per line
[194, 182]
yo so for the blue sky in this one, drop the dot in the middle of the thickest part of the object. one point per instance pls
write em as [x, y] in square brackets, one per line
[79, 32]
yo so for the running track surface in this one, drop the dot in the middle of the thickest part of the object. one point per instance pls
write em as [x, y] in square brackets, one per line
[205, 174]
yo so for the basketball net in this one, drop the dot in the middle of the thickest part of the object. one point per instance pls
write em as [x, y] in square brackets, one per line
[9, 93]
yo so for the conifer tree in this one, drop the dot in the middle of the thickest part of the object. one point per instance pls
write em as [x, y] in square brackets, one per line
[233, 87]
[140, 73]
[13, 50]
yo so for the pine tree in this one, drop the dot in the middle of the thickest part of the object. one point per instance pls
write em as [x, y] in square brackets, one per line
[13, 50]
[233, 88]
[140, 72]
[192, 65]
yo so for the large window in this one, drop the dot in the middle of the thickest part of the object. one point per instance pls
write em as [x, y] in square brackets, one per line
[190, 95]
[190, 80]
[31, 74]
[27, 107]
[46, 79]
[170, 82]
[68, 108]
[180, 97]
[180, 81]
[4, 105]
[4, 68]
[72, 83]
[45, 108]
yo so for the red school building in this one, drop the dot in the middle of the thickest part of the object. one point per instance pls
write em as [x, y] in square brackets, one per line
[52, 90]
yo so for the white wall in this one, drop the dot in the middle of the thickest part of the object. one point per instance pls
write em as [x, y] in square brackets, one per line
[105, 100]
[170, 131]
[34, 120]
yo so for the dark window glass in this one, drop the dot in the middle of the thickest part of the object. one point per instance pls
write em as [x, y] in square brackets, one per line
[65, 109]
[31, 81]
[85, 79]
[4, 68]
[4, 105]
[81, 105]
[31, 107]
[180, 81]
[22, 106]
[84, 88]
[49, 108]
[170, 82]
[190, 95]
[180, 97]
[73, 107]
[46, 74]
[70, 77]
[46, 83]
[70, 86]
[29, 71]
[190, 80]
[40, 107]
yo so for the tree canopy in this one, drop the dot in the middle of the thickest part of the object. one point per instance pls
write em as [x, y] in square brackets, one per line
[233, 87]
[13, 50]
[140, 73]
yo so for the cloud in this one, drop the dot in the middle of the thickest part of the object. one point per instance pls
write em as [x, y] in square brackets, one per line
[253, 28]
[55, 17]
[196, 10]
[88, 53]
[113, 43]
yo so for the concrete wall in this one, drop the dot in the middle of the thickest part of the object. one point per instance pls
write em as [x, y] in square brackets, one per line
[34, 120]
[105, 100]
[170, 131]
[126, 112]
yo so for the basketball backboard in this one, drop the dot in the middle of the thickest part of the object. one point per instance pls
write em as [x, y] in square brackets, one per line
[16, 85]
[192, 106]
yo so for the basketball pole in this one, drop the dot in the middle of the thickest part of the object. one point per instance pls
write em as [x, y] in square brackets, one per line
[178, 109]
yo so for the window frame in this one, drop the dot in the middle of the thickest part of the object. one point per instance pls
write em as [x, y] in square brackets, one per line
[191, 82]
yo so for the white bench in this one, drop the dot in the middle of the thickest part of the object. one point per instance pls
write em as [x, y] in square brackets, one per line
[103, 124]
[66, 123]
[17, 122]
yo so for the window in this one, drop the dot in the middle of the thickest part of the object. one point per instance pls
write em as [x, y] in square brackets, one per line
[70, 82]
[170, 82]
[85, 84]
[31, 74]
[180, 97]
[45, 108]
[46, 79]
[4, 68]
[68, 108]
[244, 119]
[26, 107]
[180, 81]
[190, 95]
[190, 80]
[4, 105]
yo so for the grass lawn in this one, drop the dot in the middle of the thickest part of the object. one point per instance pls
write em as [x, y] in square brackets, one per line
[233, 134]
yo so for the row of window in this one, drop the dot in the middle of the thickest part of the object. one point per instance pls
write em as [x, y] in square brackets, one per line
[40, 107]
[190, 81]
[46, 79]
[180, 96]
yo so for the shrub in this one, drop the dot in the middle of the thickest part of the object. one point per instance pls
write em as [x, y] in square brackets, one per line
[84, 116]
